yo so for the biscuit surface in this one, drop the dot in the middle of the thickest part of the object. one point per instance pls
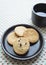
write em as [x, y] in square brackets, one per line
[32, 35]
[21, 46]
[11, 38]
[19, 30]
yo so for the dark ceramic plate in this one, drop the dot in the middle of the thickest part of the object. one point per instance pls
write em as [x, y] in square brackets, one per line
[33, 51]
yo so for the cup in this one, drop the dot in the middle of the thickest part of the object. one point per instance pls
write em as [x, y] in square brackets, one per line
[39, 14]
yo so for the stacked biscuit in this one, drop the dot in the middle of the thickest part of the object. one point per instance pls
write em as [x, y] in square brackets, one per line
[21, 38]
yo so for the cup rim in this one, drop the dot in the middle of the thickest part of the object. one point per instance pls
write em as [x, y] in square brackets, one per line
[34, 10]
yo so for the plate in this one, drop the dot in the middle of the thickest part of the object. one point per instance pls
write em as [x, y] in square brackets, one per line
[34, 50]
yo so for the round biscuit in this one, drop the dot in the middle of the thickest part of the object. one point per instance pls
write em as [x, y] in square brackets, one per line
[11, 38]
[21, 46]
[19, 30]
[32, 35]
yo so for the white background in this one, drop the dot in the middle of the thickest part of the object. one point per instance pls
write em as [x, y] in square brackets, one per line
[18, 8]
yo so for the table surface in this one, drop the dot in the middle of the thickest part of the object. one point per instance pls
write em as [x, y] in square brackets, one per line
[14, 12]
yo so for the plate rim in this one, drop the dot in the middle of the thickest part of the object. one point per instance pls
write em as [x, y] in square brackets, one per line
[27, 57]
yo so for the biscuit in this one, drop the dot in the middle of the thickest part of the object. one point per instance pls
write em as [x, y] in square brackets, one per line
[21, 46]
[20, 30]
[32, 35]
[11, 38]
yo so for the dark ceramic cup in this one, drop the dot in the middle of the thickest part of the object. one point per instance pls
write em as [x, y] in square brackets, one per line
[39, 14]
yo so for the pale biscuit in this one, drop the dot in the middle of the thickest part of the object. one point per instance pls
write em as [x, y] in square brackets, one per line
[21, 46]
[19, 30]
[32, 35]
[11, 38]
